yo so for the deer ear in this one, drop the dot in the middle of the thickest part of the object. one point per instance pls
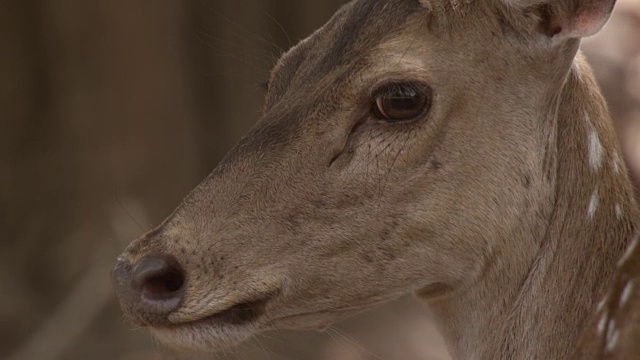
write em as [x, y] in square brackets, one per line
[568, 18]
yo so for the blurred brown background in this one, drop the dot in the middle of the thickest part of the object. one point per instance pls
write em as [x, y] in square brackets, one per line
[112, 110]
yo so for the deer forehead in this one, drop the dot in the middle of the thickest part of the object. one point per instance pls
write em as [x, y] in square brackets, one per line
[360, 26]
[368, 39]
[399, 54]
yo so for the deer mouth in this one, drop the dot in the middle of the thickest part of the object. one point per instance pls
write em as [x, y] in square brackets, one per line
[242, 313]
[221, 330]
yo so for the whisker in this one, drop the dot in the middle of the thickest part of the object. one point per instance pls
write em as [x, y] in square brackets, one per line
[279, 26]
[240, 27]
[127, 211]
[356, 343]
[331, 331]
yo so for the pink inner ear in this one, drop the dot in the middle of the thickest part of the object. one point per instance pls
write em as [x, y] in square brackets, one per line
[570, 18]
[587, 23]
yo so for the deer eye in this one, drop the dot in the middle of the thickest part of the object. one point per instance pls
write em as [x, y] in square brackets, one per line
[401, 101]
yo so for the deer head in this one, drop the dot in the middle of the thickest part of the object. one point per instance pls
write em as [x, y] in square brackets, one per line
[447, 148]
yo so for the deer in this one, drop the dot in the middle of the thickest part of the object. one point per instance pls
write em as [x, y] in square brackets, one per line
[458, 150]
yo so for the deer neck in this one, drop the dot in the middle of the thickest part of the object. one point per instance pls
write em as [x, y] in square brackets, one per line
[534, 305]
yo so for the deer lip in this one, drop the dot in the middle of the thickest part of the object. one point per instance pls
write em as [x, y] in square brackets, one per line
[242, 313]
[215, 332]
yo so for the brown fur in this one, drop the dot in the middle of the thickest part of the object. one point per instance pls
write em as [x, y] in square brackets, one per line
[614, 330]
[483, 207]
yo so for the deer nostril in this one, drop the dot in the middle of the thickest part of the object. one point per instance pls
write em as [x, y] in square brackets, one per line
[158, 279]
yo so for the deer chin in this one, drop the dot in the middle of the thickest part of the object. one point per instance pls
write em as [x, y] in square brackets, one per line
[321, 320]
[203, 335]
[314, 321]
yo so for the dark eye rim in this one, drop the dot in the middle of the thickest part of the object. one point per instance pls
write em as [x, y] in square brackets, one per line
[389, 87]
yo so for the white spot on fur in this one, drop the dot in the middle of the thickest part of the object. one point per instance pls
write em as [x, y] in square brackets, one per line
[576, 68]
[602, 323]
[616, 163]
[619, 212]
[630, 250]
[602, 303]
[626, 293]
[612, 342]
[593, 204]
[611, 329]
[596, 151]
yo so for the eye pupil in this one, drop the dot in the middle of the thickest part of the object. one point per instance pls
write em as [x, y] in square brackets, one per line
[401, 102]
